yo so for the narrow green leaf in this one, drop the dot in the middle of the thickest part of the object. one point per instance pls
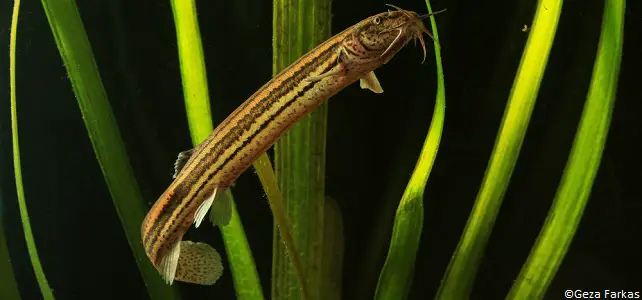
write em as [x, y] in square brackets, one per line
[8, 285]
[463, 266]
[575, 188]
[22, 203]
[299, 26]
[75, 50]
[396, 276]
[194, 76]
[275, 199]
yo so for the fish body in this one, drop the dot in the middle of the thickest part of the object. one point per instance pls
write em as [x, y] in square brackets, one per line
[212, 166]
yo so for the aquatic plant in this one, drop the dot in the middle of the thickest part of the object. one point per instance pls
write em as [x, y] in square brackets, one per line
[573, 192]
[463, 266]
[583, 163]
[24, 214]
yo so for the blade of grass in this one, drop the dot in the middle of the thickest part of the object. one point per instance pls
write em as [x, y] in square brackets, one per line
[275, 199]
[300, 25]
[75, 50]
[395, 279]
[197, 105]
[460, 275]
[575, 188]
[8, 285]
[193, 74]
[22, 202]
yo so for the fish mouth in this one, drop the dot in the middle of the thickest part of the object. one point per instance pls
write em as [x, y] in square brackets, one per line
[418, 29]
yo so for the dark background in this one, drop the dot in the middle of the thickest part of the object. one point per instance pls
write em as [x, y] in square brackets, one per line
[373, 143]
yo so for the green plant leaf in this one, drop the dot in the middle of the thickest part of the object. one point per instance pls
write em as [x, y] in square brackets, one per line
[584, 160]
[299, 155]
[395, 279]
[268, 179]
[193, 74]
[192, 63]
[47, 294]
[75, 50]
[463, 266]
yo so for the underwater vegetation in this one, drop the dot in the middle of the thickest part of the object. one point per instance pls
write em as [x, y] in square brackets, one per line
[498, 169]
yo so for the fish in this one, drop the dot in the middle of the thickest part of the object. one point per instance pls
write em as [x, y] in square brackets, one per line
[204, 173]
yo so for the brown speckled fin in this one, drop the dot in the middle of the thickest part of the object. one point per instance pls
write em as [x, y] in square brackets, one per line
[199, 263]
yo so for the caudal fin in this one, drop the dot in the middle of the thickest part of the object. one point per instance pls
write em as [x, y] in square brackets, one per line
[198, 263]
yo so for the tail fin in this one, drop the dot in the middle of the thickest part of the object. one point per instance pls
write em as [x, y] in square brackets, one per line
[198, 263]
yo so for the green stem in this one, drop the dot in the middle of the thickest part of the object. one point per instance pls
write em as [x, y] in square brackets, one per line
[275, 199]
[22, 203]
[193, 73]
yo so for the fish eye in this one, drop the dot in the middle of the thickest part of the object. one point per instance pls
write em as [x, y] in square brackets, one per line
[377, 20]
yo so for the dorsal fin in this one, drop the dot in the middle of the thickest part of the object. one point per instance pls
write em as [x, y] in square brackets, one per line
[182, 159]
[198, 263]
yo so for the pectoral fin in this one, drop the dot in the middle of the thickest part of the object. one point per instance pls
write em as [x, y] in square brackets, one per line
[371, 82]
[202, 210]
[198, 263]
[168, 263]
[338, 71]
[221, 212]
[182, 159]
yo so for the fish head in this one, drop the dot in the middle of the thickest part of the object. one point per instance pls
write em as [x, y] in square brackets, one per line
[386, 33]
